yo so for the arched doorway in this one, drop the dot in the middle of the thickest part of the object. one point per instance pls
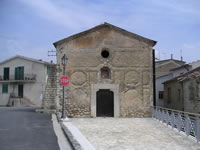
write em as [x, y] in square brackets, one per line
[105, 103]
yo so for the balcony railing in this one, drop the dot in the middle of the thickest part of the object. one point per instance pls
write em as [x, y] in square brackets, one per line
[13, 78]
[188, 123]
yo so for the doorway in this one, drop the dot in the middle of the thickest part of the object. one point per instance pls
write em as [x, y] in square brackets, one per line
[105, 103]
[20, 90]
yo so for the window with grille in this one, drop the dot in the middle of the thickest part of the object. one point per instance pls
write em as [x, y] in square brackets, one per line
[161, 94]
[105, 73]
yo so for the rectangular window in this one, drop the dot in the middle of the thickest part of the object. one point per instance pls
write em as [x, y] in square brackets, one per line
[4, 88]
[169, 95]
[19, 73]
[6, 74]
[161, 94]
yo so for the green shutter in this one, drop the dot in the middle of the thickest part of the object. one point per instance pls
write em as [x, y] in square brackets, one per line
[22, 73]
[4, 88]
[48, 69]
[16, 73]
[19, 73]
[6, 74]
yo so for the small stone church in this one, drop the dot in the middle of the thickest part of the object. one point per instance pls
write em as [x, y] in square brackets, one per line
[110, 72]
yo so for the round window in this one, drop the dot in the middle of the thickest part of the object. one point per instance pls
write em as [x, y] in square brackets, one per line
[105, 54]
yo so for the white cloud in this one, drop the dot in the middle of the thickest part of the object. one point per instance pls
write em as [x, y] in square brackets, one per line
[191, 51]
[79, 14]
[25, 48]
[163, 21]
[72, 16]
[180, 6]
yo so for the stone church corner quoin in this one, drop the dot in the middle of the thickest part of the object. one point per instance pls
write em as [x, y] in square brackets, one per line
[110, 72]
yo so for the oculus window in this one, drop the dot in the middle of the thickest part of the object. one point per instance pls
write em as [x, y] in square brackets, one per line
[105, 54]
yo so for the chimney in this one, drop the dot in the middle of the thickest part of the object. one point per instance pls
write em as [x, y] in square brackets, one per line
[171, 56]
[181, 58]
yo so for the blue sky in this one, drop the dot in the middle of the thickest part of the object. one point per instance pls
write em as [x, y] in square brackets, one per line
[29, 27]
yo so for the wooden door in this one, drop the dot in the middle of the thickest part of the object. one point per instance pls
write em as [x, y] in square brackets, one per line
[105, 103]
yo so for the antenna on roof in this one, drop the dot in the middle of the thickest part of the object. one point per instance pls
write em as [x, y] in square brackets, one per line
[52, 53]
[157, 55]
[181, 54]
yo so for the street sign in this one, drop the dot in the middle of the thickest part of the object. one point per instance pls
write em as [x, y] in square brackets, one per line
[64, 80]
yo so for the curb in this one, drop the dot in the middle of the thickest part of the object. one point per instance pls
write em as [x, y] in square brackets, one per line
[77, 140]
[71, 138]
[48, 111]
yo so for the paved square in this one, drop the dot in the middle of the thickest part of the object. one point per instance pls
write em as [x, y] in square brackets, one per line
[132, 134]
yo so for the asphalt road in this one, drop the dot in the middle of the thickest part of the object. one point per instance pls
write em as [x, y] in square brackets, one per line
[24, 129]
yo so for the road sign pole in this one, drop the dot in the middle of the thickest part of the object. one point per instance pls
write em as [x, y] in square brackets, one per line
[64, 104]
[64, 81]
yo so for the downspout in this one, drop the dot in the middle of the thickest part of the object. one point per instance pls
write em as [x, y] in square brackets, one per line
[154, 78]
[182, 96]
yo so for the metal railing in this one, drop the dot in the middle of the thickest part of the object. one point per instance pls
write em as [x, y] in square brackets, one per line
[189, 123]
[26, 77]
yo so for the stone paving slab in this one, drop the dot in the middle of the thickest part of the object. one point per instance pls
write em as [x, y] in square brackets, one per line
[132, 134]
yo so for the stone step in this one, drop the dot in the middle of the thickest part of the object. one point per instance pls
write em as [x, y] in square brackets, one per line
[51, 89]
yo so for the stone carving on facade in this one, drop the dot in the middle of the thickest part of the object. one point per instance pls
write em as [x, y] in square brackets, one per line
[78, 78]
[132, 78]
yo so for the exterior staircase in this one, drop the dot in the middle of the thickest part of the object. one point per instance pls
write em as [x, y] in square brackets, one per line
[19, 102]
[49, 99]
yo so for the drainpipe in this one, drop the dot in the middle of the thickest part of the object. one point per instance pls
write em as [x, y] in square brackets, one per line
[183, 101]
[154, 78]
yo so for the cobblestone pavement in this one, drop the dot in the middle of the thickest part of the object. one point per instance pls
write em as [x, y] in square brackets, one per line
[132, 134]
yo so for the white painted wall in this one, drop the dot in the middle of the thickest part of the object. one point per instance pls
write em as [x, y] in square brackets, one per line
[179, 72]
[160, 87]
[32, 91]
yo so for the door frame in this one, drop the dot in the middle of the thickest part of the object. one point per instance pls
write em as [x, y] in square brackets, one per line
[112, 87]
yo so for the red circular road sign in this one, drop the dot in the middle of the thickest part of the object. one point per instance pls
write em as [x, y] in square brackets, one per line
[64, 81]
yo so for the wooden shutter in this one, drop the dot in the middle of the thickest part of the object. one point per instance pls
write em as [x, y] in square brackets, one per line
[22, 73]
[16, 73]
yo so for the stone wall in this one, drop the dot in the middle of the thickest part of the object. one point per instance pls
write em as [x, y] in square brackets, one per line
[176, 99]
[192, 96]
[130, 62]
[184, 95]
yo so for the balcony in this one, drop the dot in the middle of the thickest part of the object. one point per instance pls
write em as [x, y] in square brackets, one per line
[18, 79]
